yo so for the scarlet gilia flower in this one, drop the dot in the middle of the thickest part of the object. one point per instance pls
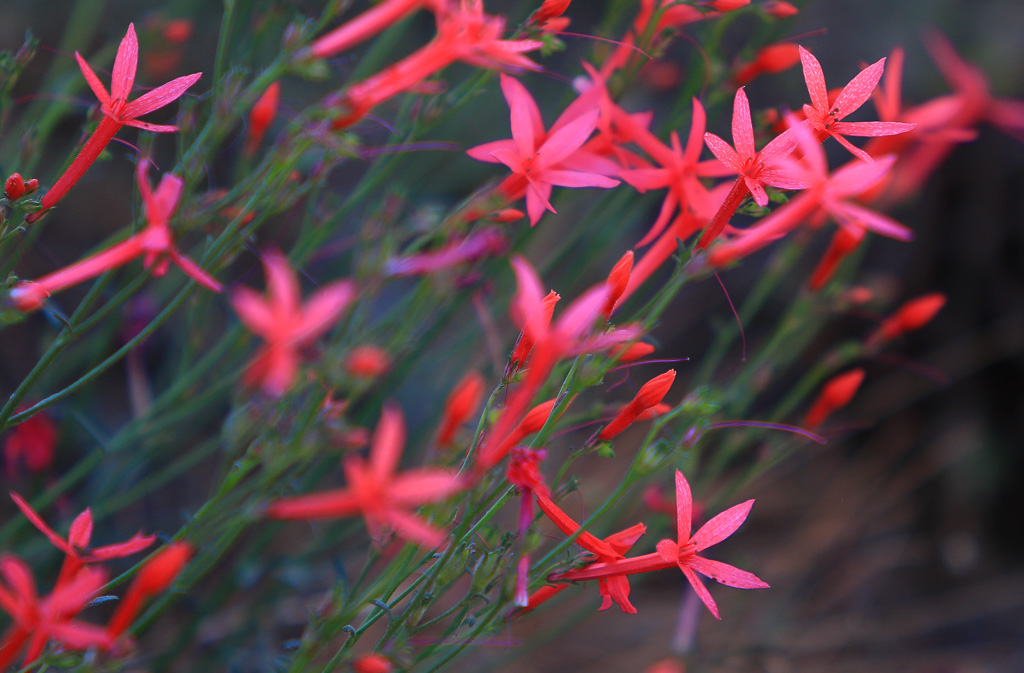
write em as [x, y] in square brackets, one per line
[367, 362]
[682, 553]
[464, 33]
[650, 394]
[524, 474]
[834, 395]
[771, 59]
[461, 404]
[371, 22]
[844, 241]
[609, 550]
[617, 281]
[284, 324]
[76, 545]
[540, 160]
[825, 118]
[155, 576]
[39, 621]
[32, 442]
[262, 114]
[567, 336]
[756, 170]
[477, 245]
[913, 315]
[383, 498]
[827, 193]
[154, 244]
[117, 111]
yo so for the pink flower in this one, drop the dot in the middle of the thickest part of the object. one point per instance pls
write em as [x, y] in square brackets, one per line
[539, 160]
[825, 118]
[117, 111]
[284, 324]
[374, 490]
[683, 552]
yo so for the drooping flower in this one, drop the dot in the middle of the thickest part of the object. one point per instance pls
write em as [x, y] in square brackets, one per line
[825, 118]
[284, 324]
[682, 553]
[608, 550]
[540, 160]
[117, 111]
[383, 498]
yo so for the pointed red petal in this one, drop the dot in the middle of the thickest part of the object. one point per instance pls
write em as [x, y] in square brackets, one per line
[388, 442]
[722, 526]
[125, 62]
[323, 309]
[160, 96]
[702, 591]
[38, 522]
[742, 126]
[81, 530]
[815, 80]
[93, 81]
[724, 573]
[684, 509]
[859, 89]
[325, 505]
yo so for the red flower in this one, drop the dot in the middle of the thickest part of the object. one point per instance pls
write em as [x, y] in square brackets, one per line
[608, 550]
[683, 552]
[76, 545]
[117, 111]
[383, 498]
[542, 160]
[33, 441]
[913, 315]
[825, 118]
[284, 323]
[262, 114]
[36, 621]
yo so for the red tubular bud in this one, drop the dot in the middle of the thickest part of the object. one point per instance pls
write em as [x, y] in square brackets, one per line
[773, 58]
[372, 663]
[650, 394]
[461, 404]
[525, 344]
[835, 394]
[263, 112]
[367, 362]
[154, 578]
[779, 9]
[508, 215]
[843, 243]
[532, 422]
[617, 281]
[31, 185]
[14, 187]
[913, 315]
[633, 352]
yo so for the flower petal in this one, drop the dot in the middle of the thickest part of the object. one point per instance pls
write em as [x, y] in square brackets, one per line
[525, 116]
[722, 526]
[702, 591]
[815, 80]
[325, 505]
[684, 509]
[726, 574]
[160, 96]
[388, 442]
[872, 129]
[742, 126]
[93, 81]
[859, 89]
[323, 309]
[567, 139]
[125, 62]
[724, 152]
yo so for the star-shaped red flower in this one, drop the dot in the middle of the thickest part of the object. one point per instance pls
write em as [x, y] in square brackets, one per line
[383, 498]
[683, 551]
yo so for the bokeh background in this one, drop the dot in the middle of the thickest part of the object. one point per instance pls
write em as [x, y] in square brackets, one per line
[900, 545]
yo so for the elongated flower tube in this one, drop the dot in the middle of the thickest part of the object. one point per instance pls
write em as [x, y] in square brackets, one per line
[617, 281]
[262, 114]
[117, 111]
[460, 405]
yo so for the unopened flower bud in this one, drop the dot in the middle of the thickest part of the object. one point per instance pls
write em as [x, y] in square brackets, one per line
[461, 404]
[650, 394]
[617, 281]
[913, 315]
[14, 187]
[835, 394]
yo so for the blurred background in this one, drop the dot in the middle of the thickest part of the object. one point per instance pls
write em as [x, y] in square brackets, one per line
[899, 546]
